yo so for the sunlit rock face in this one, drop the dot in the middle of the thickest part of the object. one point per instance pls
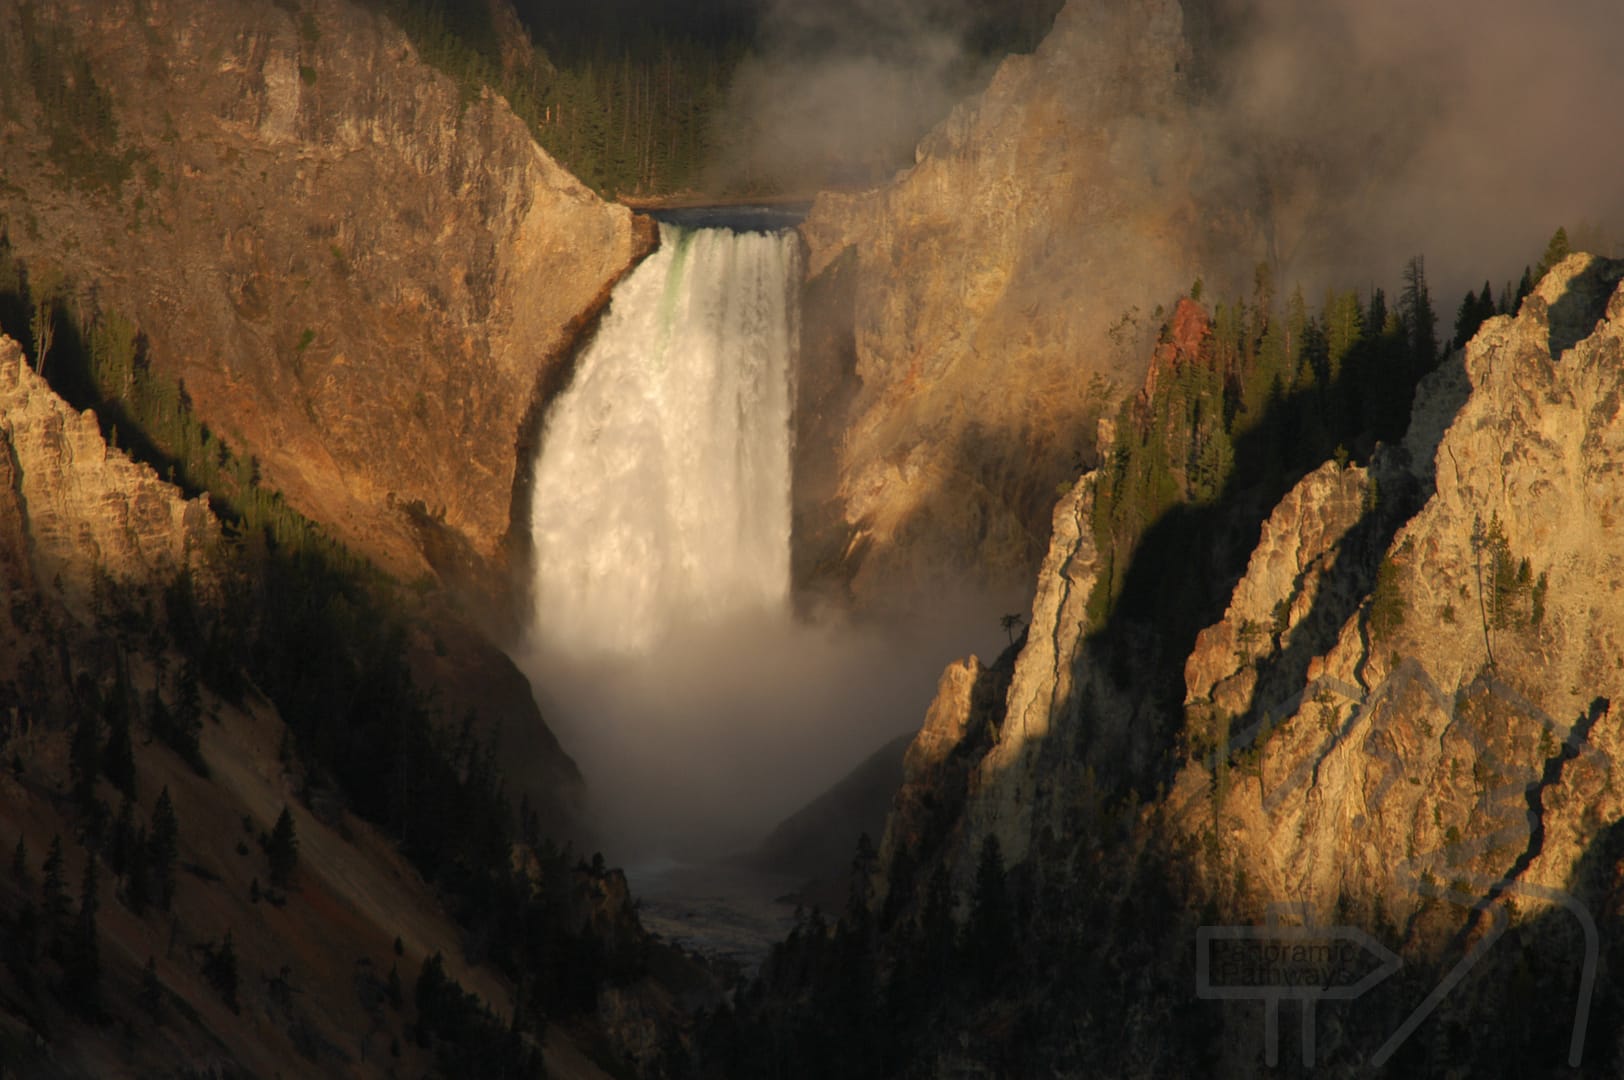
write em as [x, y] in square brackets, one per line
[1428, 702]
[76, 516]
[981, 306]
[1412, 746]
[361, 276]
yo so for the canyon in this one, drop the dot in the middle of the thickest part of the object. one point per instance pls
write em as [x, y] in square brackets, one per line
[1369, 687]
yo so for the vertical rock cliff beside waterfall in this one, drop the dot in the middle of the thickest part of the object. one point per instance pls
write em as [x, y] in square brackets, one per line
[966, 322]
[1458, 725]
[370, 352]
[1406, 719]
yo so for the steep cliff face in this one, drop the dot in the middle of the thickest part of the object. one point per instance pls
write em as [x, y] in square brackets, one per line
[1503, 582]
[1017, 255]
[1405, 720]
[82, 509]
[1481, 666]
[361, 276]
[76, 519]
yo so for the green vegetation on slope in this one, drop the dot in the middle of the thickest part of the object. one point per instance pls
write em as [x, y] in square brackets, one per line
[298, 620]
[627, 113]
[77, 111]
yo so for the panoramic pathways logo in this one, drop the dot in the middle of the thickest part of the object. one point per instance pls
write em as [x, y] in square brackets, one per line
[1273, 962]
[1309, 963]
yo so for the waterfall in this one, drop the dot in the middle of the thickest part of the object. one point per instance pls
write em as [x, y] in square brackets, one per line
[662, 495]
[663, 647]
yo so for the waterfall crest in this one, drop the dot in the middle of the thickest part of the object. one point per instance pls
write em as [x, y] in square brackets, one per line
[662, 481]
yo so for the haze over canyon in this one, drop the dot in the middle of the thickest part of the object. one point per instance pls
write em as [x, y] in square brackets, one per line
[998, 516]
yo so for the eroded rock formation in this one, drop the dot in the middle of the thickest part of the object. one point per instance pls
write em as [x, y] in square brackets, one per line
[1405, 721]
[1489, 650]
[78, 517]
[1406, 716]
[361, 275]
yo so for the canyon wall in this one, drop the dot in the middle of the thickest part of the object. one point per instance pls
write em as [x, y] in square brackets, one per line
[1406, 720]
[363, 275]
[967, 322]
[1328, 642]
[1482, 667]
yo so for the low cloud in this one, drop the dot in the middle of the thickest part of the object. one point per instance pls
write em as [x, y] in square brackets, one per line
[697, 748]
[840, 93]
[1376, 129]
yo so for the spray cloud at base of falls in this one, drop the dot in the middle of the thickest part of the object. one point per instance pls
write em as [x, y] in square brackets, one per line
[663, 648]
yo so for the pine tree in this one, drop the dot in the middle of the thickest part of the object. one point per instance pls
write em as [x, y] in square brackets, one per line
[1415, 308]
[989, 935]
[283, 850]
[1524, 287]
[937, 928]
[20, 873]
[85, 756]
[221, 970]
[55, 890]
[1485, 305]
[118, 756]
[84, 967]
[1377, 320]
[1296, 327]
[428, 995]
[152, 991]
[1466, 320]
[138, 878]
[1474, 311]
[118, 852]
[1556, 250]
[1344, 325]
[163, 848]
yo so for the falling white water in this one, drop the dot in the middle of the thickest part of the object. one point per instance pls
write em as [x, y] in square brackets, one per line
[664, 650]
[662, 493]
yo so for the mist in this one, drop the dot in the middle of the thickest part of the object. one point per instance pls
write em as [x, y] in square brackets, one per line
[1356, 133]
[698, 747]
[665, 649]
[839, 94]
[1372, 130]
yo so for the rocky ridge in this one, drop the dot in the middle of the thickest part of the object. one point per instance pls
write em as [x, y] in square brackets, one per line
[83, 510]
[372, 354]
[77, 519]
[1404, 720]
[1491, 644]
[1521, 448]
[1015, 253]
